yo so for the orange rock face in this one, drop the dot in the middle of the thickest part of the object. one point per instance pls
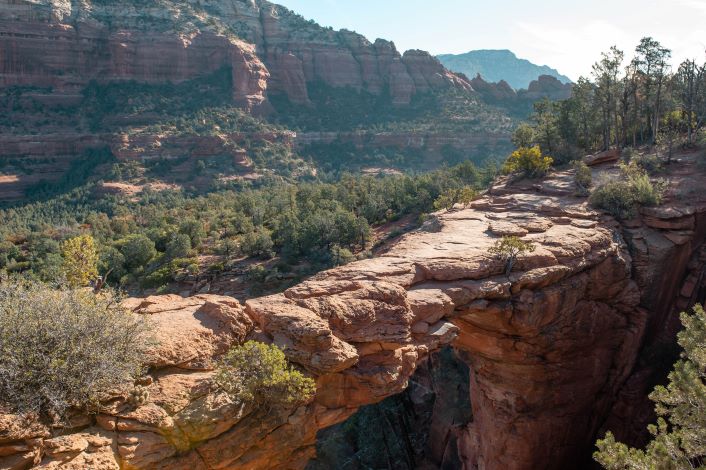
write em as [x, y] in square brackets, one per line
[553, 347]
[52, 49]
[64, 46]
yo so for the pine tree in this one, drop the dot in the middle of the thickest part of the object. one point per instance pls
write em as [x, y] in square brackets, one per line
[679, 437]
[80, 260]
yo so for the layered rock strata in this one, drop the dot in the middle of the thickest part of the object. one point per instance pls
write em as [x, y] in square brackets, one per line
[65, 44]
[552, 347]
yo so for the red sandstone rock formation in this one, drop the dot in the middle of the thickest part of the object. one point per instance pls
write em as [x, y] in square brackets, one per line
[552, 347]
[606, 156]
[64, 45]
[547, 86]
[498, 92]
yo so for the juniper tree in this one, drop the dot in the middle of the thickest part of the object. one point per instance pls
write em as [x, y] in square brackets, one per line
[679, 437]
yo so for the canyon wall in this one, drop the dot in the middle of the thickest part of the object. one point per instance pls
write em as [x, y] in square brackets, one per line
[555, 349]
[53, 51]
[66, 44]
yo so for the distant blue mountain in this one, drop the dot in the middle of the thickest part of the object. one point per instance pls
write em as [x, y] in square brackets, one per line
[496, 65]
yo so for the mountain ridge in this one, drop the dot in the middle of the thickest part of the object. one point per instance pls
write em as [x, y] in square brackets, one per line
[495, 65]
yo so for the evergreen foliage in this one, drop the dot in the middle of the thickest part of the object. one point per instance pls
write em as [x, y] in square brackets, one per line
[62, 347]
[259, 373]
[80, 260]
[679, 437]
[508, 249]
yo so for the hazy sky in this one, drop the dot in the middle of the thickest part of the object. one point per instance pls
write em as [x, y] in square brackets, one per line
[566, 34]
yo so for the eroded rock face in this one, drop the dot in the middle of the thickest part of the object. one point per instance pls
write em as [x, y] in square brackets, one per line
[51, 50]
[416, 429]
[65, 44]
[552, 348]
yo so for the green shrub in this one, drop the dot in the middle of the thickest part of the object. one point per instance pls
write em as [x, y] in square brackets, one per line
[178, 246]
[80, 257]
[583, 178]
[259, 373]
[62, 348]
[615, 197]
[528, 162]
[158, 278]
[451, 197]
[651, 163]
[446, 200]
[257, 244]
[622, 198]
[340, 256]
[646, 193]
[138, 251]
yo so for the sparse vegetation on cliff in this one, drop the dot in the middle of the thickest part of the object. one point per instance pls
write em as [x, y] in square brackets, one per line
[508, 249]
[623, 197]
[259, 373]
[63, 348]
[679, 437]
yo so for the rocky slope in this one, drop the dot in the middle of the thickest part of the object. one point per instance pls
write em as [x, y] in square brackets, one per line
[545, 86]
[556, 350]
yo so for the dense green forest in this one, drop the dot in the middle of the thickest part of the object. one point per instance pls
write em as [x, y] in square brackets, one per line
[633, 102]
[148, 240]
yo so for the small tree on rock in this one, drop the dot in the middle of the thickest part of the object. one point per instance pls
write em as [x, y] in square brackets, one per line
[447, 200]
[508, 249]
[467, 195]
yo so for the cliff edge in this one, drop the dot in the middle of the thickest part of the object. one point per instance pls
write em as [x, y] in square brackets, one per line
[554, 348]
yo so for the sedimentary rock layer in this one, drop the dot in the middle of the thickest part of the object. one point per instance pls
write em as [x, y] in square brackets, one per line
[66, 44]
[552, 347]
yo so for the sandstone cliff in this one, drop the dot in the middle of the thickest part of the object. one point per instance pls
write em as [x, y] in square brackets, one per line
[554, 349]
[55, 55]
[65, 44]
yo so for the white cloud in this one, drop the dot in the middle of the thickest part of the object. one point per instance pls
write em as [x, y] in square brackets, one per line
[698, 5]
[572, 49]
